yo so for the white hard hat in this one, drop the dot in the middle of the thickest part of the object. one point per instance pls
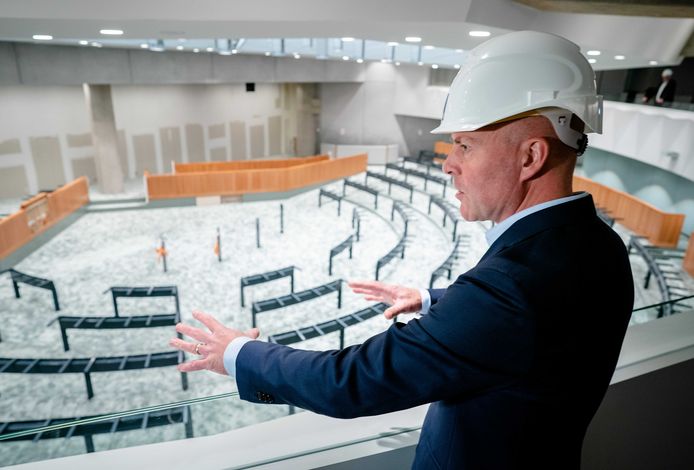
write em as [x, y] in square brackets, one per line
[522, 72]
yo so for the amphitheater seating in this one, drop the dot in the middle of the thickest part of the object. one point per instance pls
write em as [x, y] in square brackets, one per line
[390, 181]
[401, 209]
[262, 278]
[449, 211]
[321, 329]
[18, 277]
[356, 223]
[105, 323]
[298, 297]
[446, 268]
[666, 273]
[347, 244]
[331, 195]
[420, 174]
[88, 365]
[361, 187]
[158, 291]
[145, 420]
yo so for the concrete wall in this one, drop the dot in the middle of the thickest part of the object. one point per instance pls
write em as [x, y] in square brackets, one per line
[45, 134]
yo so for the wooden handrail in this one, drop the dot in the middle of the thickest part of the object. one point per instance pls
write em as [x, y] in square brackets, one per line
[245, 164]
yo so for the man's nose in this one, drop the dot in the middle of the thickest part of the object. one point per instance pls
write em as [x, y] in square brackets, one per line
[446, 166]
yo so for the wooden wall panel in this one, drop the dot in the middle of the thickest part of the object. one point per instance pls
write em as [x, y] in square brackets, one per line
[15, 230]
[241, 181]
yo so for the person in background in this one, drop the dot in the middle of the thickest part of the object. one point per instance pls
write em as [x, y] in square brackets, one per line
[516, 355]
[664, 95]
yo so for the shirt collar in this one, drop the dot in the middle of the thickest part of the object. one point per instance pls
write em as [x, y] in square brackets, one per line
[497, 230]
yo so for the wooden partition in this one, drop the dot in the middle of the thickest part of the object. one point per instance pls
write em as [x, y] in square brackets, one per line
[237, 182]
[246, 164]
[688, 261]
[39, 213]
[661, 228]
[443, 148]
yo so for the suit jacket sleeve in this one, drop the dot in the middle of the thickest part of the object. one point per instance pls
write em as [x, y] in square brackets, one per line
[474, 338]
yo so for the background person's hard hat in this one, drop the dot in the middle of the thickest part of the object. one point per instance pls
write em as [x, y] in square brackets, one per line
[521, 72]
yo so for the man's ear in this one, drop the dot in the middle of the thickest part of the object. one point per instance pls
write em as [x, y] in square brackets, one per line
[535, 153]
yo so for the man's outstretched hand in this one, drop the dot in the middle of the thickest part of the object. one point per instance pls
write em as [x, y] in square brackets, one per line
[210, 345]
[401, 299]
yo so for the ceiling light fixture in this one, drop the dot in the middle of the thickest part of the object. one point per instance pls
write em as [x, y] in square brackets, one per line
[224, 52]
[420, 63]
[434, 66]
[96, 44]
[179, 48]
[619, 57]
[593, 52]
[196, 50]
[592, 61]
[456, 66]
[345, 57]
[393, 43]
[297, 56]
[413, 39]
[459, 51]
[347, 39]
[479, 34]
[42, 37]
[268, 53]
[111, 32]
[144, 46]
[84, 43]
[397, 63]
[652, 62]
[360, 61]
[234, 51]
[210, 49]
[428, 48]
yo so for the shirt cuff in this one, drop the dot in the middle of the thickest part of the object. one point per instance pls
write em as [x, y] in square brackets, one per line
[232, 352]
[426, 301]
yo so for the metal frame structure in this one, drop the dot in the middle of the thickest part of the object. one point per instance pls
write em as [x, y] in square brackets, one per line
[154, 291]
[262, 278]
[330, 195]
[361, 187]
[390, 181]
[449, 211]
[295, 298]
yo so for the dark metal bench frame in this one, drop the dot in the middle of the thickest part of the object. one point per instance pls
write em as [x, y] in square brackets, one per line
[339, 249]
[330, 195]
[390, 181]
[361, 187]
[295, 298]
[262, 278]
[153, 291]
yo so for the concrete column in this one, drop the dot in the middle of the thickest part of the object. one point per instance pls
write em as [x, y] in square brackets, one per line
[105, 138]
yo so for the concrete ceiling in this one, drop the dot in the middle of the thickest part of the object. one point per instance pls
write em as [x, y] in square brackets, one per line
[442, 23]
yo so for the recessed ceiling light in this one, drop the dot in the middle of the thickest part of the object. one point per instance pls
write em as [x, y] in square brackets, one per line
[196, 50]
[224, 52]
[459, 51]
[179, 48]
[457, 66]
[413, 39]
[420, 63]
[345, 57]
[593, 52]
[479, 34]
[144, 46]
[297, 56]
[397, 63]
[652, 62]
[111, 32]
[42, 37]
[385, 61]
[434, 66]
[619, 57]
[393, 43]
[428, 47]
[209, 49]
[592, 61]
[360, 60]
[84, 43]
[347, 39]
[96, 44]
[234, 51]
[268, 53]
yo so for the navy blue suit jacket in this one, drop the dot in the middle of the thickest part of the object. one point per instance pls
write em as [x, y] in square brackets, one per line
[515, 356]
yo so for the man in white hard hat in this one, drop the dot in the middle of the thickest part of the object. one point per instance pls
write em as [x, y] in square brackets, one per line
[516, 355]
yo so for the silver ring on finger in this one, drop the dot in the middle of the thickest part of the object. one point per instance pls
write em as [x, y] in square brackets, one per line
[197, 348]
